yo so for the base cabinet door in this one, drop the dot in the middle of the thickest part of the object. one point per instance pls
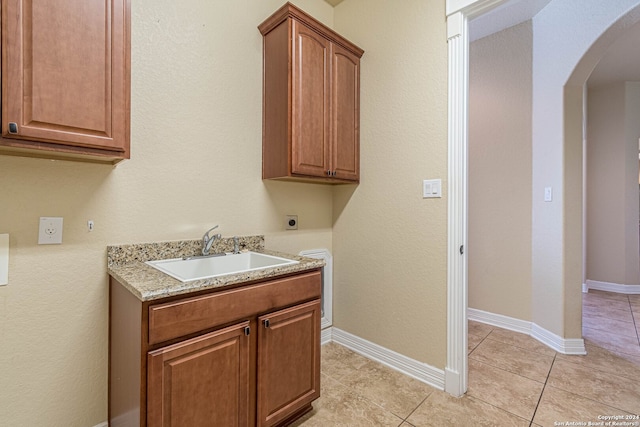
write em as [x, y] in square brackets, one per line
[288, 362]
[201, 382]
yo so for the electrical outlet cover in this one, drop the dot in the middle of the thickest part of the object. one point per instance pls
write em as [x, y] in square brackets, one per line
[50, 231]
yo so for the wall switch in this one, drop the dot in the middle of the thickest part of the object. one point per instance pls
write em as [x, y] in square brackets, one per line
[291, 222]
[431, 188]
[50, 232]
[548, 194]
[4, 259]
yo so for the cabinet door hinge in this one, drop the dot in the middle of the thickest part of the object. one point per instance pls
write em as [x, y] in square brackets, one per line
[266, 323]
[247, 330]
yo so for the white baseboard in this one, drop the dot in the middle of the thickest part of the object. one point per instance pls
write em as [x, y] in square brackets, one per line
[611, 287]
[499, 320]
[573, 346]
[453, 383]
[326, 336]
[418, 370]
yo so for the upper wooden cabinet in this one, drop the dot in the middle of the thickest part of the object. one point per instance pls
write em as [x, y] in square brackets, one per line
[66, 79]
[311, 100]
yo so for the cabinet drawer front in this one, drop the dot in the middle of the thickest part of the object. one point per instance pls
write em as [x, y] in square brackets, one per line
[183, 317]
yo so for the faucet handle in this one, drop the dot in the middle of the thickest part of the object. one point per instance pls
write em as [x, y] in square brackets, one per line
[210, 230]
[208, 240]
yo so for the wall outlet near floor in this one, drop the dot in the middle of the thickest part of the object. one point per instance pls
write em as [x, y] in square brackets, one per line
[50, 231]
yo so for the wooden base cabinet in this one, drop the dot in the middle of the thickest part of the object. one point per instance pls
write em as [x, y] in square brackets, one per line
[247, 356]
[311, 101]
[288, 362]
[201, 382]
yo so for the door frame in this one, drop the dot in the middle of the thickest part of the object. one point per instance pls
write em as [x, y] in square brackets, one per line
[458, 14]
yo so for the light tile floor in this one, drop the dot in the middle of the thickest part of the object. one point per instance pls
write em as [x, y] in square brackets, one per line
[514, 380]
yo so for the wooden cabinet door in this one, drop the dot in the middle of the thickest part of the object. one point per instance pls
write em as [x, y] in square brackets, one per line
[345, 119]
[201, 382]
[65, 73]
[288, 362]
[310, 102]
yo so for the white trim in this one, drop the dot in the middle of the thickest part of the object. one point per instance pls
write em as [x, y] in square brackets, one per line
[457, 368]
[611, 287]
[327, 284]
[500, 321]
[472, 8]
[573, 346]
[326, 336]
[458, 14]
[418, 370]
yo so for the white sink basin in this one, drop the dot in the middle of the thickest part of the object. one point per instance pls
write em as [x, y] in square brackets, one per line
[207, 267]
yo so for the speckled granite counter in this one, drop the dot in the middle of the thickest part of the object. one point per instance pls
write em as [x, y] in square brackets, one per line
[126, 263]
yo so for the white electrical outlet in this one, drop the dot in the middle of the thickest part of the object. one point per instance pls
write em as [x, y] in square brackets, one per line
[50, 231]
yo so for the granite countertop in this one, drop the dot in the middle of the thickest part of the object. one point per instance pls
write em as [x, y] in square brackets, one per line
[126, 263]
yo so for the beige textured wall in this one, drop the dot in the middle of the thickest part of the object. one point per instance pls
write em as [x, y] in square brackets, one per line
[612, 190]
[196, 161]
[500, 96]
[389, 243]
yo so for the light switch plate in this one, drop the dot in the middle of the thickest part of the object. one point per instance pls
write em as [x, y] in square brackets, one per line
[431, 188]
[50, 231]
[4, 259]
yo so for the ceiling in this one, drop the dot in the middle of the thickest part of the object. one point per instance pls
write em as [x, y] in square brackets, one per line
[504, 16]
[620, 63]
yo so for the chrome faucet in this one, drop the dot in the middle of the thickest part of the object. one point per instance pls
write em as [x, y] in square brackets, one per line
[208, 239]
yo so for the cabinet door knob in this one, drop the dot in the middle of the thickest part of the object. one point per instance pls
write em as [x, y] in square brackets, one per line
[13, 128]
[266, 323]
[247, 330]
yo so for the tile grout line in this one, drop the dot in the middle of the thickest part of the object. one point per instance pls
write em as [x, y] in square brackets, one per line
[497, 367]
[633, 317]
[533, 416]
[414, 410]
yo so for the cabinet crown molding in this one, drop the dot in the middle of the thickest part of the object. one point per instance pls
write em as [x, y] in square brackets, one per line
[288, 10]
